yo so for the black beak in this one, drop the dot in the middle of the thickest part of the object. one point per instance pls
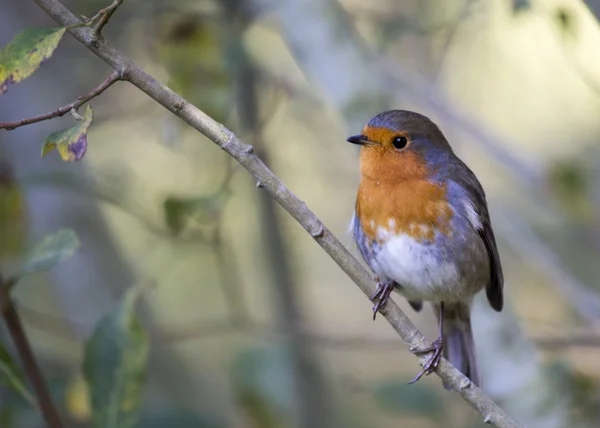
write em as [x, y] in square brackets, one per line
[358, 139]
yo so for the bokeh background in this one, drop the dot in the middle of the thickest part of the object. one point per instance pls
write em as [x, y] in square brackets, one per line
[252, 325]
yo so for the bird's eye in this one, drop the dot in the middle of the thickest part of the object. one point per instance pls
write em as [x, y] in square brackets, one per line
[400, 142]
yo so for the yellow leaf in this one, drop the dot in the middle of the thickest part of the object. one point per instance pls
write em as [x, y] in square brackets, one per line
[71, 143]
[26, 53]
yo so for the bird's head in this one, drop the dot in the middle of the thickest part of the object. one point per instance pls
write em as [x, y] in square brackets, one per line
[400, 145]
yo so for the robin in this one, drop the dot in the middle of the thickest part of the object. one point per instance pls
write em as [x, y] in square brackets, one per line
[421, 223]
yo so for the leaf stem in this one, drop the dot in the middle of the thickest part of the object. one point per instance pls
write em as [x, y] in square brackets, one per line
[30, 365]
[61, 111]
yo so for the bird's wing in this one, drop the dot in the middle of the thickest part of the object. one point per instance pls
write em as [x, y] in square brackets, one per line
[469, 182]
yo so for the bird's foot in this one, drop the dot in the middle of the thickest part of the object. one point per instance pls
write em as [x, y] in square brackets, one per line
[381, 296]
[436, 347]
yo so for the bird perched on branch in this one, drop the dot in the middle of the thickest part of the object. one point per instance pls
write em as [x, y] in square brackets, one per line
[421, 223]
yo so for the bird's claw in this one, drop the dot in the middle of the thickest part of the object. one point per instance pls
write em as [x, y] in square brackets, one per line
[436, 347]
[381, 296]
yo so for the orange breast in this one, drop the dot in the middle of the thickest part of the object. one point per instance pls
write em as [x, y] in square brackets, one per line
[412, 206]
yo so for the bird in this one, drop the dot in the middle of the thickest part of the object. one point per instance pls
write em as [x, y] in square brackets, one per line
[421, 223]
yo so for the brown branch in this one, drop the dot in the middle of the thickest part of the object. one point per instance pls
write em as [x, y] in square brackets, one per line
[30, 365]
[245, 155]
[61, 111]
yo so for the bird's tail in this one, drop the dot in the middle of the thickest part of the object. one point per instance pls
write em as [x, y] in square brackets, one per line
[459, 347]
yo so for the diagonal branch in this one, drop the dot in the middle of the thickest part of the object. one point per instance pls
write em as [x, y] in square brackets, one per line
[245, 155]
[61, 111]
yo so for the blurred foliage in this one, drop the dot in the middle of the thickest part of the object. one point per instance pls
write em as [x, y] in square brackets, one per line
[19, 412]
[11, 376]
[189, 46]
[12, 213]
[6, 417]
[203, 209]
[25, 53]
[115, 361]
[570, 181]
[565, 21]
[263, 386]
[52, 250]
[77, 399]
[586, 398]
[71, 143]
[397, 396]
[179, 419]
[521, 5]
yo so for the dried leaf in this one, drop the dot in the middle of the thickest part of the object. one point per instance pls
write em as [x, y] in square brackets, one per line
[71, 143]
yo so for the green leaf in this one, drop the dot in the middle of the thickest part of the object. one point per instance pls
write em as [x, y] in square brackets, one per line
[52, 250]
[400, 397]
[175, 214]
[26, 53]
[114, 366]
[71, 143]
[12, 377]
[203, 209]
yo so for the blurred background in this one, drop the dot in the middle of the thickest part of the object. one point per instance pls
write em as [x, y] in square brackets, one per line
[251, 324]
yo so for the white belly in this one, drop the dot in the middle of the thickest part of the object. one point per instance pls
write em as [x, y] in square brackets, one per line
[421, 270]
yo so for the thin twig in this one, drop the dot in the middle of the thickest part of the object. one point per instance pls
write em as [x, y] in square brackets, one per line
[102, 17]
[61, 111]
[30, 365]
[230, 143]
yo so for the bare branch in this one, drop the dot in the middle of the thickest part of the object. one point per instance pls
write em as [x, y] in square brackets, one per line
[230, 143]
[101, 18]
[30, 365]
[61, 111]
